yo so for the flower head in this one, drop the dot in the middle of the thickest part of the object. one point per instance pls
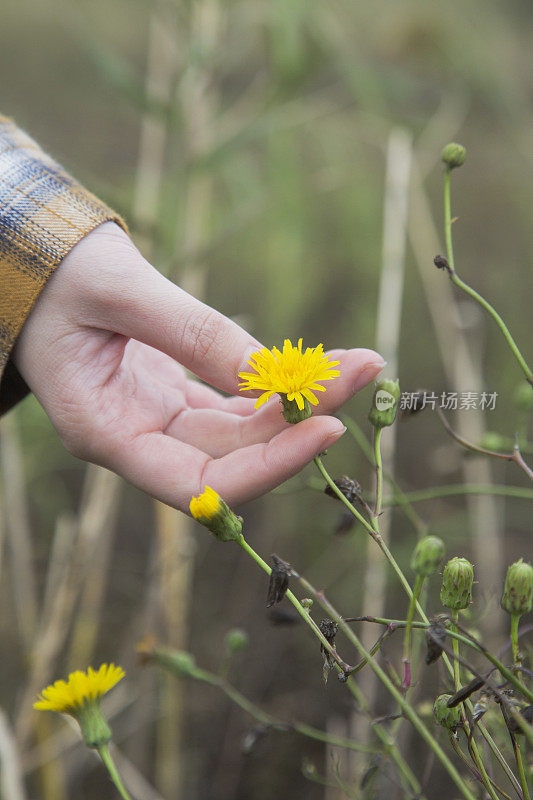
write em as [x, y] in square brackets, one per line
[80, 697]
[206, 504]
[291, 373]
[211, 510]
[67, 697]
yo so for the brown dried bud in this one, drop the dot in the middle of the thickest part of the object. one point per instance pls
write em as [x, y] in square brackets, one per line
[435, 638]
[473, 686]
[279, 580]
[442, 263]
[329, 630]
[349, 488]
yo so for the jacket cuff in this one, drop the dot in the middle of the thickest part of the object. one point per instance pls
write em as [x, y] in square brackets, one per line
[44, 212]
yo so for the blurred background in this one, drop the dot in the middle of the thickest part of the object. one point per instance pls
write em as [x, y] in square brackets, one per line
[279, 159]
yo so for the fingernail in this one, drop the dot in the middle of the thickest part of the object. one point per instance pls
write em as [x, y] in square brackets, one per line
[368, 373]
[333, 437]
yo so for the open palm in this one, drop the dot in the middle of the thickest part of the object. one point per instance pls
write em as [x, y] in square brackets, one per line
[105, 351]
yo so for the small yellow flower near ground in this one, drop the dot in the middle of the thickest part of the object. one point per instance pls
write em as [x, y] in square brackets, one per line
[67, 697]
[211, 510]
[291, 373]
[80, 697]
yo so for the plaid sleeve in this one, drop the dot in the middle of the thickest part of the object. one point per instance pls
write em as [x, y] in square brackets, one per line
[43, 213]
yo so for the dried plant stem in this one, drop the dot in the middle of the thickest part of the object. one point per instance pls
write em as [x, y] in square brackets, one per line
[104, 754]
[468, 289]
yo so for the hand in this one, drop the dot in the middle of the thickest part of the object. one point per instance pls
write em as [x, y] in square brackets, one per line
[104, 351]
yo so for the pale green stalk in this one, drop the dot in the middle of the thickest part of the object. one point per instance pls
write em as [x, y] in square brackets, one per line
[108, 762]
[515, 619]
[408, 628]
[379, 476]
[468, 289]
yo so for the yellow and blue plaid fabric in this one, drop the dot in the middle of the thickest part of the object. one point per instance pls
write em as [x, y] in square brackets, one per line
[43, 214]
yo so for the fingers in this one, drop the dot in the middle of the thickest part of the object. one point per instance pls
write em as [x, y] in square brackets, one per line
[173, 471]
[134, 299]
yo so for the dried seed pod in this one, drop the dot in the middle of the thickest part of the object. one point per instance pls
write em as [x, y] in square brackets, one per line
[435, 637]
[441, 262]
[279, 580]
[349, 488]
[466, 691]
[328, 628]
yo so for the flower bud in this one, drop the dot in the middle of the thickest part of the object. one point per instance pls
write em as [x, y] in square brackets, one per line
[449, 718]
[178, 662]
[523, 397]
[453, 155]
[236, 640]
[457, 580]
[384, 403]
[211, 510]
[518, 591]
[307, 603]
[427, 556]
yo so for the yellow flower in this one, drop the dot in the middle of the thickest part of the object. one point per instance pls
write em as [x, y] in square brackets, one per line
[68, 697]
[80, 697]
[290, 373]
[211, 510]
[205, 505]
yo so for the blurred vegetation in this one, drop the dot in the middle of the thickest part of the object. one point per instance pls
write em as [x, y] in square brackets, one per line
[300, 98]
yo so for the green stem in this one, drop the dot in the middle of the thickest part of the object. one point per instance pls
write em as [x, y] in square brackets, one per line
[521, 770]
[472, 292]
[407, 710]
[405, 583]
[455, 645]
[391, 745]
[515, 619]
[399, 496]
[379, 475]
[267, 719]
[407, 677]
[109, 764]
[476, 756]
[419, 496]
